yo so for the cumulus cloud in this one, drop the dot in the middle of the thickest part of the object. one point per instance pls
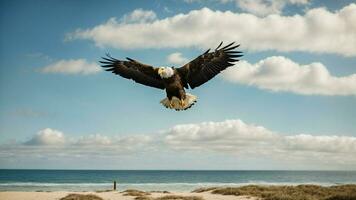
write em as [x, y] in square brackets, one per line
[47, 137]
[177, 58]
[318, 30]
[127, 142]
[278, 73]
[231, 138]
[139, 16]
[72, 66]
[240, 138]
[332, 144]
[230, 135]
[49, 142]
[266, 7]
[96, 139]
[257, 7]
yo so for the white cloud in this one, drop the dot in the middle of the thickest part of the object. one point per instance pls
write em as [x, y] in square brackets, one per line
[50, 142]
[96, 139]
[177, 58]
[39, 55]
[336, 144]
[266, 7]
[241, 139]
[318, 30]
[78, 66]
[231, 138]
[258, 7]
[282, 74]
[230, 135]
[139, 16]
[167, 10]
[47, 137]
[126, 142]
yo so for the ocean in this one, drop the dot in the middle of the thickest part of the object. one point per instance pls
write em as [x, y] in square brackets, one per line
[171, 180]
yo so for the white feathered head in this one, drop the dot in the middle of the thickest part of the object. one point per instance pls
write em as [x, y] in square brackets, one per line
[165, 72]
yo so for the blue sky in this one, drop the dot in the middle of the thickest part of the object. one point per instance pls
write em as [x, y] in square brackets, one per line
[55, 107]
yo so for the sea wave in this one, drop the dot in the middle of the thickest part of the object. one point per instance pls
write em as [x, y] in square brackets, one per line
[34, 186]
[52, 184]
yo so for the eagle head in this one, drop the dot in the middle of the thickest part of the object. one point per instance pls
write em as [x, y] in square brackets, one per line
[165, 72]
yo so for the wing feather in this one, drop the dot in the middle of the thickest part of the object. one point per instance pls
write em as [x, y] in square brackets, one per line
[132, 69]
[208, 65]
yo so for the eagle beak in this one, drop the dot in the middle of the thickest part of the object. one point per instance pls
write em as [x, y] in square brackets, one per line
[160, 71]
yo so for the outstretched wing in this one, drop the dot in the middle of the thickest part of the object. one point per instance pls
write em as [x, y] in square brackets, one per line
[209, 64]
[132, 69]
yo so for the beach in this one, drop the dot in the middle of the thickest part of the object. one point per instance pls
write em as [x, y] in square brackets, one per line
[176, 184]
[249, 192]
[112, 195]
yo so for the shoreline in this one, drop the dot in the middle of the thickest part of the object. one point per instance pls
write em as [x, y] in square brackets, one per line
[174, 187]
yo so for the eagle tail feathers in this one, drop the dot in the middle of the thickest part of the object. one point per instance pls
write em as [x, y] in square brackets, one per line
[189, 101]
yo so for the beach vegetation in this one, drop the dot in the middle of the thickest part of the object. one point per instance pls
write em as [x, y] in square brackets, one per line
[170, 197]
[81, 197]
[136, 193]
[300, 192]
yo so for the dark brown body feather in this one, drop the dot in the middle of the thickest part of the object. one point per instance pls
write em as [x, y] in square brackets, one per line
[174, 86]
[193, 74]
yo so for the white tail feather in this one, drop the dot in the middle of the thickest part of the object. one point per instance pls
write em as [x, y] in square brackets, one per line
[188, 102]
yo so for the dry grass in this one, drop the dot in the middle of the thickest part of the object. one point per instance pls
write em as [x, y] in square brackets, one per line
[206, 189]
[177, 197]
[101, 191]
[143, 198]
[158, 191]
[81, 197]
[300, 192]
[142, 195]
[136, 193]
[170, 197]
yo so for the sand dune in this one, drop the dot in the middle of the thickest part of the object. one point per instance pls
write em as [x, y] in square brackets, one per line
[113, 195]
[249, 192]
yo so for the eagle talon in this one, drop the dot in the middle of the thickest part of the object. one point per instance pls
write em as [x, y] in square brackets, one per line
[170, 104]
[182, 103]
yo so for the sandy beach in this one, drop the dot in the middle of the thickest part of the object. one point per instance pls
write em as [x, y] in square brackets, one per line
[249, 192]
[115, 195]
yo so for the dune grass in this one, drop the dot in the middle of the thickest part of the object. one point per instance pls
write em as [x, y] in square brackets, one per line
[178, 197]
[204, 189]
[170, 197]
[160, 191]
[101, 191]
[142, 195]
[81, 197]
[300, 192]
[143, 198]
[136, 193]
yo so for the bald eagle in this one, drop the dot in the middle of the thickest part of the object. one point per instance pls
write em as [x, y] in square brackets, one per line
[174, 80]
